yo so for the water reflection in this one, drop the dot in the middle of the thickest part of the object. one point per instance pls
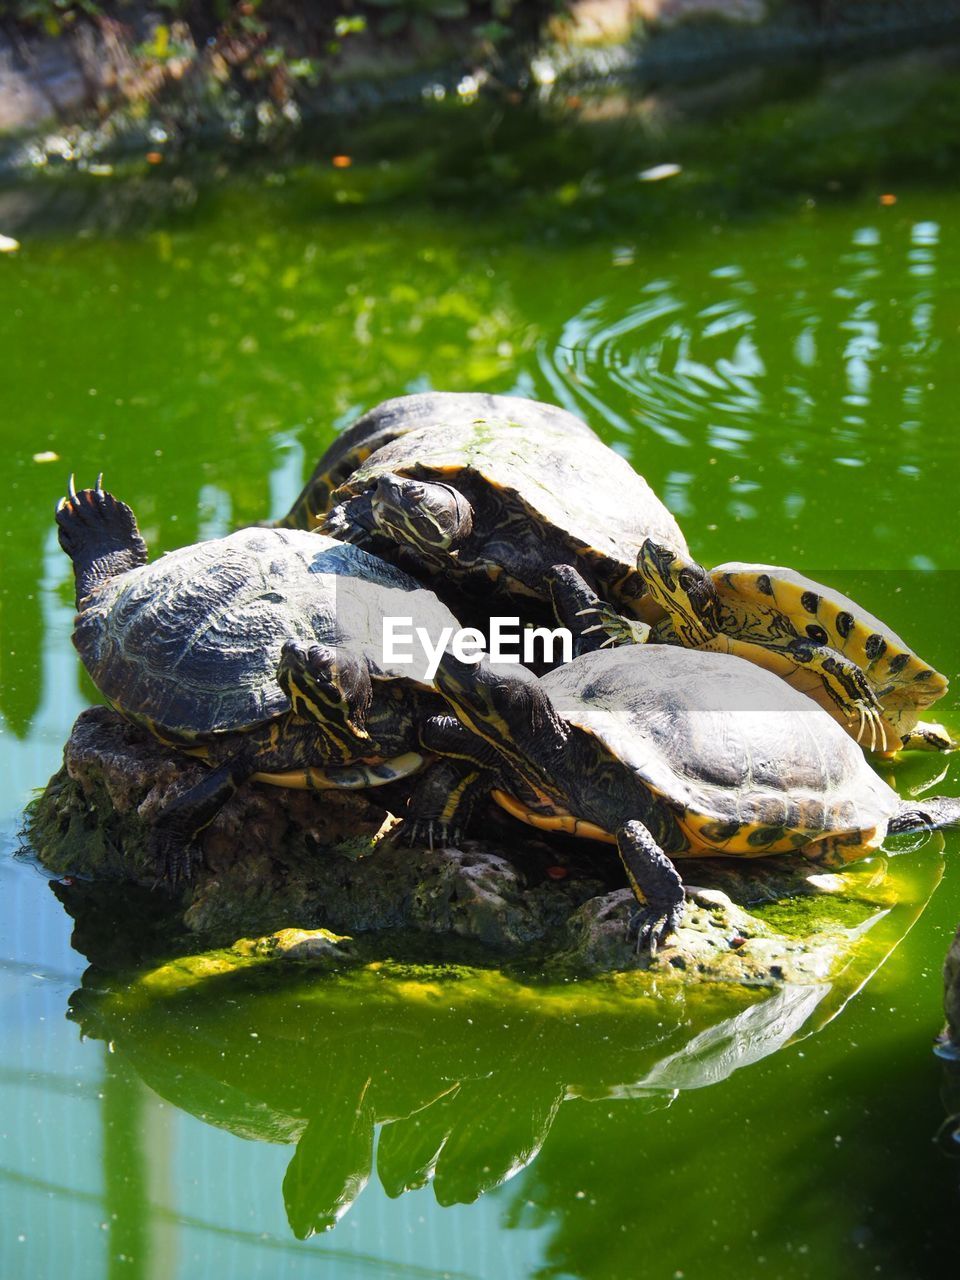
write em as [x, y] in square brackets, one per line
[948, 1135]
[464, 1071]
[415, 1073]
[830, 352]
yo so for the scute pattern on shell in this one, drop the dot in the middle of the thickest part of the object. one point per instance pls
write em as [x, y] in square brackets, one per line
[572, 483]
[399, 416]
[722, 739]
[191, 642]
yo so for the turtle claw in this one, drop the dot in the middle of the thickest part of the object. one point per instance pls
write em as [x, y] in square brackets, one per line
[617, 629]
[869, 717]
[178, 871]
[175, 860]
[861, 723]
[652, 927]
[428, 832]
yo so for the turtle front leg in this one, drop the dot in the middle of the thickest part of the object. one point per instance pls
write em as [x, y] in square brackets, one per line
[593, 623]
[823, 674]
[442, 803]
[447, 792]
[172, 840]
[350, 521]
[846, 686]
[655, 882]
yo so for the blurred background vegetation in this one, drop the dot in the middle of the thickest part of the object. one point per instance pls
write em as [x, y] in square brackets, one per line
[330, 20]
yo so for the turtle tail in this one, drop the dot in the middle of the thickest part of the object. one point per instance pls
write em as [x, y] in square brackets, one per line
[931, 815]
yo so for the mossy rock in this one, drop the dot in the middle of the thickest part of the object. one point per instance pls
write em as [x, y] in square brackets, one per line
[276, 860]
[315, 1039]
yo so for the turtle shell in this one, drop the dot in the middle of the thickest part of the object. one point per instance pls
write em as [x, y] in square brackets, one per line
[398, 417]
[190, 643]
[814, 608]
[544, 489]
[748, 764]
[760, 595]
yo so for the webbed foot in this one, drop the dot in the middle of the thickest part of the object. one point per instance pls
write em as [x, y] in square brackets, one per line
[174, 858]
[652, 926]
[614, 628]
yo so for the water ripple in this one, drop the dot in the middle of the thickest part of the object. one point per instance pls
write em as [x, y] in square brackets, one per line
[790, 365]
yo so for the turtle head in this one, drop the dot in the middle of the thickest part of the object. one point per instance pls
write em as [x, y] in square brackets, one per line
[99, 533]
[426, 515]
[330, 686]
[684, 589]
[505, 704]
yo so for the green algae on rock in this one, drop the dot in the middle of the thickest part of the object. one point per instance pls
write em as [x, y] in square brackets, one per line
[463, 1068]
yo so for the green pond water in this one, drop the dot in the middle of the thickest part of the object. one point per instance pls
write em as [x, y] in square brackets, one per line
[776, 349]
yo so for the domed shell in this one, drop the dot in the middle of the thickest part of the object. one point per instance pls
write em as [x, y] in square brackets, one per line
[191, 642]
[543, 479]
[723, 740]
[399, 416]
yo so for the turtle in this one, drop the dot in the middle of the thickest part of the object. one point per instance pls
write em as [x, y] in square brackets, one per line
[394, 418]
[819, 640]
[492, 496]
[260, 652]
[669, 753]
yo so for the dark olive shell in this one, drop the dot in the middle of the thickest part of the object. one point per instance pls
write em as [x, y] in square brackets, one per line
[190, 643]
[545, 490]
[397, 417]
[722, 739]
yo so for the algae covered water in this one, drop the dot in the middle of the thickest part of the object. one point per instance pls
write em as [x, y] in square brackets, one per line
[769, 335]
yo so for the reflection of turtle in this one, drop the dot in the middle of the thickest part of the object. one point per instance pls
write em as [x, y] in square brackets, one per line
[463, 1069]
[481, 492]
[822, 642]
[260, 652]
[670, 752]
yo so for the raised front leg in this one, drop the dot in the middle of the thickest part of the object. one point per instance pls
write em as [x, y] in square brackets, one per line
[655, 882]
[593, 623]
[173, 837]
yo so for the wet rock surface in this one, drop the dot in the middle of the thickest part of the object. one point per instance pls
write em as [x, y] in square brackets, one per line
[279, 866]
[951, 996]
